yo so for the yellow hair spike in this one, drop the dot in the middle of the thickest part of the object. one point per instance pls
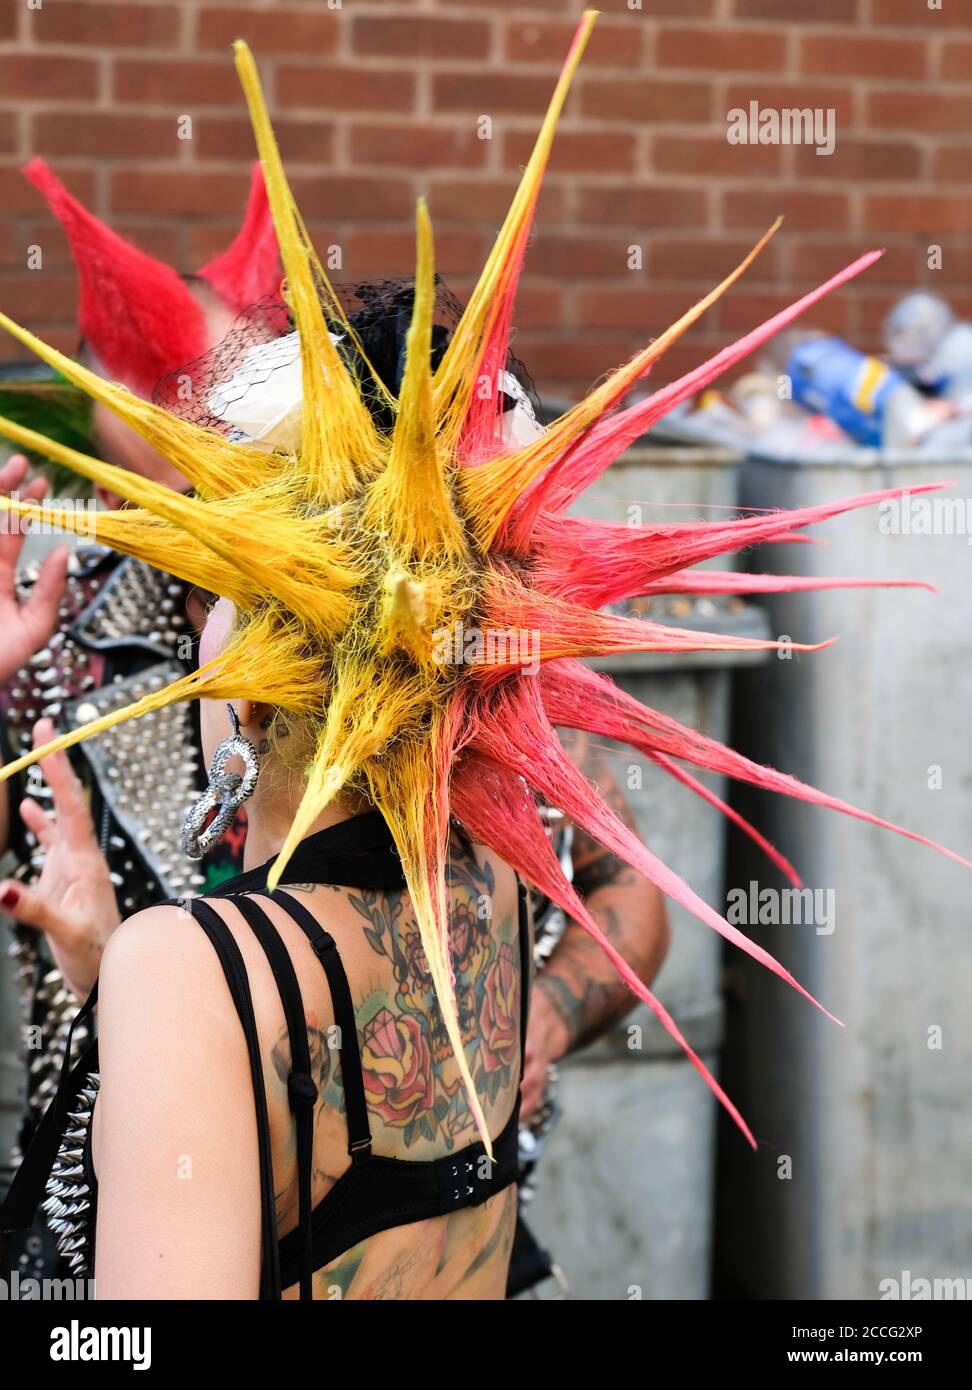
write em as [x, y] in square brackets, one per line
[210, 462]
[345, 445]
[456, 377]
[417, 464]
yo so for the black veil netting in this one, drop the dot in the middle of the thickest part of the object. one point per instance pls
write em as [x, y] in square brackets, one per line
[379, 312]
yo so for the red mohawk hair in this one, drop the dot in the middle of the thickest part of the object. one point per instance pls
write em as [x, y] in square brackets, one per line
[136, 313]
[249, 268]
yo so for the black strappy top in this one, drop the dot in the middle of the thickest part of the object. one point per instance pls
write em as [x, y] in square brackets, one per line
[376, 1192]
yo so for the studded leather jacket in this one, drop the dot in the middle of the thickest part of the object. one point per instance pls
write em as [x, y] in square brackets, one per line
[122, 632]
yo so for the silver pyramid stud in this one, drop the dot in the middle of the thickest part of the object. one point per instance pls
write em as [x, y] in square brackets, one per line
[68, 1199]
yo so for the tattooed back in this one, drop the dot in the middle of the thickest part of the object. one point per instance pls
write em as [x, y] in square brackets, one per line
[417, 1104]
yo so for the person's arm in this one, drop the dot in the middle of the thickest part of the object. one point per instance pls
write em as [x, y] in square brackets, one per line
[73, 902]
[175, 1138]
[579, 995]
[25, 627]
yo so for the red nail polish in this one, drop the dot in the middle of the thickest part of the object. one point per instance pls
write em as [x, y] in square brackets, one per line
[9, 898]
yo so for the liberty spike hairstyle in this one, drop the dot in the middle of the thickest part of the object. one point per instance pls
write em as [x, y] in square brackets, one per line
[347, 557]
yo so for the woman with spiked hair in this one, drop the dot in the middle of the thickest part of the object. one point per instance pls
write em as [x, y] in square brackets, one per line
[309, 1079]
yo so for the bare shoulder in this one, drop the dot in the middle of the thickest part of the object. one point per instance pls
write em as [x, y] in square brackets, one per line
[161, 951]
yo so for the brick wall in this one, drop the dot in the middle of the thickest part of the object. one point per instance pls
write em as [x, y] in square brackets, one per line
[377, 102]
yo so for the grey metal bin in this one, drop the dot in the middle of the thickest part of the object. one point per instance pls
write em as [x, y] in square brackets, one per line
[861, 1184]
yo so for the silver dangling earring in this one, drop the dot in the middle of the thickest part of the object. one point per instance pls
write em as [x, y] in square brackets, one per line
[226, 791]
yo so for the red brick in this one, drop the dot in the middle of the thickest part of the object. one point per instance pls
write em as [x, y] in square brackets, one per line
[103, 25]
[417, 146]
[176, 83]
[689, 352]
[176, 193]
[64, 339]
[381, 253]
[338, 198]
[38, 296]
[781, 96]
[159, 239]
[957, 60]
[610, 45]
[812, 262]
[855, 161]
[104, 135]
[45, 232]
[37, 78]
[662, 9]
[744, 310]
[576, 151]
[947, 113]
[803, 11]
[918, 212]
[516, 4]
[575, 255]
[850, 55]
[646, 309]
[419, 36]
[956, 268]
[757, 208]
[539, 306]
[721, 50]
[519, 5]
[707, 260]
[485, 200]
[581, 358]
[915, 13]
[205, 240]
[11, 246]
[276, 29]
[952, 163]
[8, 132]
[646, 100]
[872, 310]
[647, 206]
[301, 141]
[329, 87]
[712, 154]
[17, 195]
[490, 93]
[8, 21]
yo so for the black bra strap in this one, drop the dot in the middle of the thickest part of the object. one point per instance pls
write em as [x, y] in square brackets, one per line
[526, 962]
[301, 1087]
[356, 1106]
[231, 959]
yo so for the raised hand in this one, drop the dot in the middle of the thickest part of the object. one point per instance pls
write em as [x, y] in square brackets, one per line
[25, 627]
[73, 903]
